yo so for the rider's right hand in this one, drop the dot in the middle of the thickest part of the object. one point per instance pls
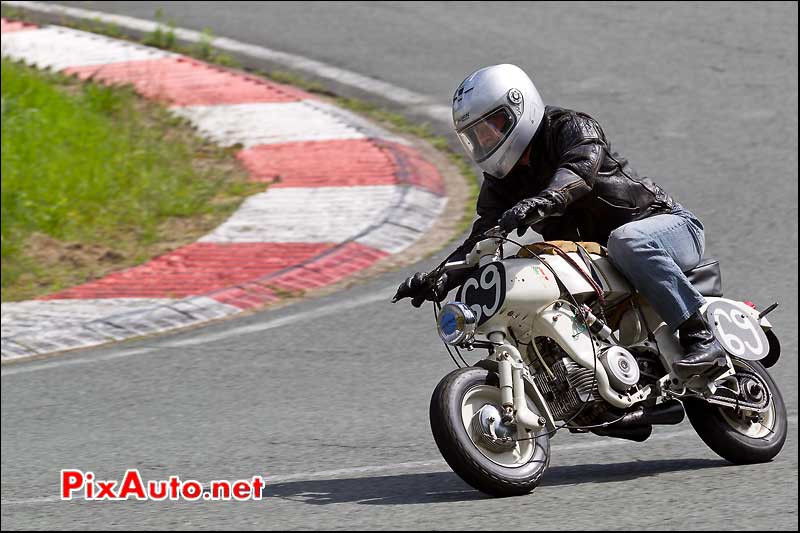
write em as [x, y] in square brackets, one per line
[420, 287]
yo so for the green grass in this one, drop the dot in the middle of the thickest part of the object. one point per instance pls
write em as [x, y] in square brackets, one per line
[97, 170]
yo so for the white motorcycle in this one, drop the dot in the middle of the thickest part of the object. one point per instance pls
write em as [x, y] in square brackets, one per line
[572, 346]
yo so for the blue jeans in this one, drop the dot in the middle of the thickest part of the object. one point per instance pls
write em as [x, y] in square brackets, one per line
[654, 253]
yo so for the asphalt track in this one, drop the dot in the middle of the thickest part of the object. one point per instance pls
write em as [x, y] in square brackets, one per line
[330, 396]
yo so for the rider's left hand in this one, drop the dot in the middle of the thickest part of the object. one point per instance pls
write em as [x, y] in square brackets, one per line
[515, 217]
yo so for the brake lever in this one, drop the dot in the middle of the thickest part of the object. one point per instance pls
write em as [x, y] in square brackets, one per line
[535, 218]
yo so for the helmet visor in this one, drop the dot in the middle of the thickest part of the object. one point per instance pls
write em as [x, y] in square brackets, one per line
[483, 137]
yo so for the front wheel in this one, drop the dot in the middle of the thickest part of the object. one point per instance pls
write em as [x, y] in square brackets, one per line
[495, 458]
[738, 435]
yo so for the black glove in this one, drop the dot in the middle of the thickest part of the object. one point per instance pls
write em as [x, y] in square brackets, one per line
[514, 218]
[420, 287]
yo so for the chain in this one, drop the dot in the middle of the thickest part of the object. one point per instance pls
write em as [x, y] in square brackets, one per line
[737, 403]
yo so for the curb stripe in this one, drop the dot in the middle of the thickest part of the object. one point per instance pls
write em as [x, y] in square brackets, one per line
[325, 269]
[197, 268]
[43, 315]
[117, 326]
[408, 219]
[331, 267]
[8, 26]
[58, 48]
[266, 123]
[413, 169]
[337, 163]
[185, 81]
[340, 163]
[308, 214]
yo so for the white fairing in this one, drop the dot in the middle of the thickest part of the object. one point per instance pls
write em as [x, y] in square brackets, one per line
[529, 288]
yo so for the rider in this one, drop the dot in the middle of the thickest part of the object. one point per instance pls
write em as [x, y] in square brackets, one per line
[544, 161]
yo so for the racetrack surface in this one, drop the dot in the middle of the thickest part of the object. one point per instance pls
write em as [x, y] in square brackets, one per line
[330, 396]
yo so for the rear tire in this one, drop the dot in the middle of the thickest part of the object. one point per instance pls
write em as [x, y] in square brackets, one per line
[730, 437]
[471, 461]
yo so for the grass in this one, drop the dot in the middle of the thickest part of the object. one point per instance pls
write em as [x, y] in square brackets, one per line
[95, 179]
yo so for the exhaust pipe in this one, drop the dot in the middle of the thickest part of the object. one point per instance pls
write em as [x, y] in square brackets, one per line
[636, 433]
[638, 424]
[666, 413]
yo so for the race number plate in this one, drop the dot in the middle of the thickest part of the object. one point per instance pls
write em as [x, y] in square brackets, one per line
[485, 291]
[739, 333]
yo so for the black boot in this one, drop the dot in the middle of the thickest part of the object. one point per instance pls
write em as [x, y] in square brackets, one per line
[703, 351]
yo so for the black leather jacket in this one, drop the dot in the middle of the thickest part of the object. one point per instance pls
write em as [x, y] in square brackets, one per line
[594, 190]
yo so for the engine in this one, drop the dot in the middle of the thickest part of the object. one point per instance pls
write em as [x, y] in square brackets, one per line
[568, 386]
[565, 385]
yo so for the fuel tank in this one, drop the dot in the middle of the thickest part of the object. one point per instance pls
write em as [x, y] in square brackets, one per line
[615, 286]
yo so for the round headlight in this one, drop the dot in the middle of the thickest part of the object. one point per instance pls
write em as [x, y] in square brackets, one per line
[456, 323]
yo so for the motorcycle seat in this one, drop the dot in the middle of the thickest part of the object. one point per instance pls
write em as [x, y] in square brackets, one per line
[706, 277]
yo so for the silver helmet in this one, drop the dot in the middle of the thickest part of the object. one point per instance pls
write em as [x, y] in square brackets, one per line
[496, 112]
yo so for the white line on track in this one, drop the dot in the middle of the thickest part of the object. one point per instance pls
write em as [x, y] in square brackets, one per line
[33, 367]
[434, 465]
[380, 294]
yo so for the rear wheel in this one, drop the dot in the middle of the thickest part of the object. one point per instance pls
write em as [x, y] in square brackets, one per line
[739, 435]
[494, 458]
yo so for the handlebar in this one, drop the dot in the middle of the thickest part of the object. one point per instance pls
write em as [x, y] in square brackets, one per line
[495, 233]
[490, 243]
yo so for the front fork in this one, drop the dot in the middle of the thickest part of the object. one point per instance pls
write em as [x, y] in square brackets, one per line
[512, 389]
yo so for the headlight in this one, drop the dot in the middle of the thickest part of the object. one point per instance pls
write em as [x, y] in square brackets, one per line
[456, 323]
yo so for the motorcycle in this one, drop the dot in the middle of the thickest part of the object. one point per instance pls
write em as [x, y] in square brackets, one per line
[571, 345]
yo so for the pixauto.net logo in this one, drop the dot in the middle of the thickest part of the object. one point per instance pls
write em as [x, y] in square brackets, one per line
[76, 484]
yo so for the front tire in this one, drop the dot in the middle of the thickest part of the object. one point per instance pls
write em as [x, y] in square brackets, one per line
[733, 436]
[455, 402]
